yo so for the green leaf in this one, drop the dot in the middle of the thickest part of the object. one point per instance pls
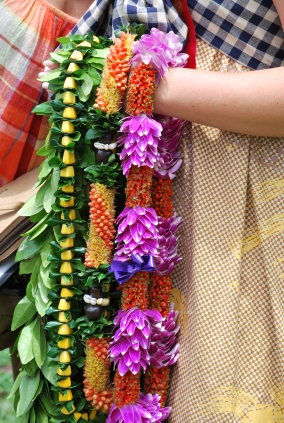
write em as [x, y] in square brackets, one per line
[81, 94]
[57, 57]
[49, 369]
[27, 266]
[34, 277]
[51, 325]
[45, 253]
[24, 311]
[63, 40]
[44, 273]
[29, 209]
[77, 38]
[43, 109]
[29, 247]
[49, 199]
[44, 169]
[29, 292]
[25, 348]
[78, 265]
[16, 384]
[31, 368]
[39, 389]
[41, 416]
[50, 76]
[41, 193]
[32, 416]
[28, 388]
[87, 85]
[41, 305]
[102, 52]
[54, 162]
[45, 150]
[39, 344]
[43, 290]
[22, 419]
[96, 77]
[39, 231]
[55, 177]
[36, 228]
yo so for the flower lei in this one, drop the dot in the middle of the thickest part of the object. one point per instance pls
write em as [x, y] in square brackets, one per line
[94, 71]
[145, 337]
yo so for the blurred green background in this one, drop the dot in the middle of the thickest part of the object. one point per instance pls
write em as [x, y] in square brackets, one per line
[7, 414]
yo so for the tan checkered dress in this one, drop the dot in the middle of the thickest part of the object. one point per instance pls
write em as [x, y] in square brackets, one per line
[229, 288]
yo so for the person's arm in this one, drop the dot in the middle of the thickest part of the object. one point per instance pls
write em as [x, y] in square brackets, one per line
[249, 102]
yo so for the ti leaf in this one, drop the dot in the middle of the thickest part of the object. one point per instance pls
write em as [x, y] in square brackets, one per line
[28, 389]
[24, 311]
[29, 247]
[39, 344]
[25, 344]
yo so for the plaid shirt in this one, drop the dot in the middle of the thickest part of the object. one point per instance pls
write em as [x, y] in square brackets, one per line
[248, 31]
[104, 16]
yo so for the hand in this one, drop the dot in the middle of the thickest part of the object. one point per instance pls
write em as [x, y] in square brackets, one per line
[48, 66]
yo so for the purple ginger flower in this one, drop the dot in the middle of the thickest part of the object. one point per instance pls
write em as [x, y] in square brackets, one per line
[131, 341]
[137, 233]
[164, 351]
[169, 156]
[146, 410]
[140, 142]
[160, 50]
[167, 256]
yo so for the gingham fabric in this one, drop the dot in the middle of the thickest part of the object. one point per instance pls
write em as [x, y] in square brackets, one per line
[229, 286]
[105, 16]
[28, 32]
[248, 31]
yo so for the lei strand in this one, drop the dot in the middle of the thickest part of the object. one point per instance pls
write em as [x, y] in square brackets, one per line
[145, 338]
[93, 71]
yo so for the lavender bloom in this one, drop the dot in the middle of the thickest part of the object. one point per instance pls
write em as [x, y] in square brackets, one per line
[131, 341]
[140, 142]
[164, 351]
[167, 256]
[137, 233]
[146, 410]
[160, 50]
[169, 156]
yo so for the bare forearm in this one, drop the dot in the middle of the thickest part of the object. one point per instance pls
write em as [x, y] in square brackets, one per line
[249, 103]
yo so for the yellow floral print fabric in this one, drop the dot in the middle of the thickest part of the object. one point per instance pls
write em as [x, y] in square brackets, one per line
[229, 288]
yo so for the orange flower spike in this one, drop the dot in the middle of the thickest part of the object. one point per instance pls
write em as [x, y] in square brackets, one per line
[114, 79]
[157, 382]
[101, 236]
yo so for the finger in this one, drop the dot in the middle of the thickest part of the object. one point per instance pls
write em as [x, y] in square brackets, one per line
[51, 65]
[45, 72]
[45, 85]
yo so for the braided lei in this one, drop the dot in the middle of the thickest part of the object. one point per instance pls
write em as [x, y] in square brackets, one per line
[111, 204]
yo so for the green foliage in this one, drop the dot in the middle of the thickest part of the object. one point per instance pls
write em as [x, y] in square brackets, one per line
[102, 123]
[35, 391]
[25, 344]
[28, 390]
[108, 174]
[97, 328]
[133, 28]
[24, 311]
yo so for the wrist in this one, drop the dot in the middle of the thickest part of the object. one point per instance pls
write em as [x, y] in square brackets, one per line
[162, 94]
